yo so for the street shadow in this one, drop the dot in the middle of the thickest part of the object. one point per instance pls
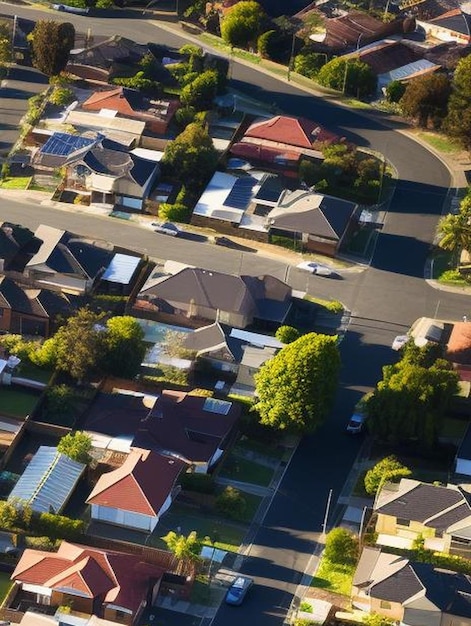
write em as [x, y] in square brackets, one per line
[27, 74]
[410, 261]
[192, 237]
[12, 93]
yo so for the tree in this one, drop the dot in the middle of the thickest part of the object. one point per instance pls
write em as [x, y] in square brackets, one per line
[124, 346]
[388, 469]
[426, 99]
[61, 96]
[51, 44]
[375, 619]
[76, 446]
[341, 546]
[395, 90]
[454, 231]
[309, 63]
[350, 76]
[295, 388]
[231, 503]
[287, 334]
[267, 44]
[410, 402]
[201, 92]
[191, 156]
[458, 120]
[78, 345]
[243, 23]
[5, 43]
[186, 549]
[59, 399]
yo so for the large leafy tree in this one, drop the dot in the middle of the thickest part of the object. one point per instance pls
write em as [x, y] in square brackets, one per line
[191, 157]
[76, 446]
[201, 91]
[186, 549]
[426, 99]
[124, 346]
[51, 44]
[458, 121]
[454, 231]
[388, 469]
[351, 76]
[295, 389]
[243, 23]
[412, 399]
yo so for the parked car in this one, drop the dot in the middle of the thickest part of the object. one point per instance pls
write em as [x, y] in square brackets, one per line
[236, 593]
[317, 268]
[166, 228]
[67, 9]
[356, 423]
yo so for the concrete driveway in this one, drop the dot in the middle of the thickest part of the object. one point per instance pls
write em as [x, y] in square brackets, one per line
[20, 84]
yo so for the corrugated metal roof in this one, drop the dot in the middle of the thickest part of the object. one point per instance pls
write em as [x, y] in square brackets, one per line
[48, 481]
[121, 269]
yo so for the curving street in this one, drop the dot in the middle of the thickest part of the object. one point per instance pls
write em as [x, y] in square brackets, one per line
[384, 300]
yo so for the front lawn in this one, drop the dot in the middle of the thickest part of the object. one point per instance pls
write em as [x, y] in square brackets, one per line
[258, 447]
[243, 470]
[19, 182]
[441, 143]
[16, 402]
[334, 577]
[5, 585]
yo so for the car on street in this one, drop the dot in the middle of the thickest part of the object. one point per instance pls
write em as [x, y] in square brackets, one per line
[65, 8]
[236, 593]
[166, 228]
[399, 342]
[356, 423]
[317, 268]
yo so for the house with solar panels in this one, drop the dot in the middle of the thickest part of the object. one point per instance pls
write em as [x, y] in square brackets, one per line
[47, 482]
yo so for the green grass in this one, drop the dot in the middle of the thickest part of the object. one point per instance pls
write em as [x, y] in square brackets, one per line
[229, 535]
[28, 370]
[334, 577]
[246, 471]
[5, 585]
[258, 447]
[17, 403]
[252, 503]
[19, 182]
[441, 143]
[333, 306]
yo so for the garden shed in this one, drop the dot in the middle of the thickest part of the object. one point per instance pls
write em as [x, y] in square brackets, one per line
[48, 482]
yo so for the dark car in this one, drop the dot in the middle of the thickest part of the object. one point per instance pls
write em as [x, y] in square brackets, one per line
[236, 593]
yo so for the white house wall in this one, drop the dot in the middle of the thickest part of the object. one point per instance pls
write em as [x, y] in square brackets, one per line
[128, 519]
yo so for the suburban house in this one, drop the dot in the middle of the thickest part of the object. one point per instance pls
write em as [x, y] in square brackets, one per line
[454, 25]
[411, 593]
[194, 429]
[107, 122]
[280, 141]
[458, 346]
[103, 60]
[47, 482]
[136, 494]
[231, 351]
[112, 177]
[29, 311]
[393, 60]
[113, 585]
[411, 509]
[67, 262]
[260, 207]
[197, 296]
[157, 114]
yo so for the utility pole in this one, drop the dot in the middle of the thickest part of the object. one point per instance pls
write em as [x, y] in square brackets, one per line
[326, 516]
[291, 60]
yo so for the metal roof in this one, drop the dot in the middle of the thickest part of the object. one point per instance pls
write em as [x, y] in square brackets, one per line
[63, 144]
[121, 269]
[48, 481]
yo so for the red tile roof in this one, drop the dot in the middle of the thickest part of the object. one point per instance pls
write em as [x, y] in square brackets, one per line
[140, 485]
[291, 131]
[458, 348]
[260, 152]
[112, 577]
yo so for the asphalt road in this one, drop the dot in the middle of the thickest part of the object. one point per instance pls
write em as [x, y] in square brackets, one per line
[384, 300]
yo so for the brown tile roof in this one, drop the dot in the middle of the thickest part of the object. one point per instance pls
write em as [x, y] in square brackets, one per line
[186, 426]
[140, 485]
[387, 56]
[458, 348]
[291, 131]
[115, 577]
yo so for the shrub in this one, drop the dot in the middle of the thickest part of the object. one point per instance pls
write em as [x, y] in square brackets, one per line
[59, 399]
[76, 446]
[334, 306]
[61, 96]
[388, 469]
[175, 212]
[231, 503]
[287, 334]
[309, 63]
[267, 44]
[395, 90]
[185, 116]
[59, 526]
[341, 546]
[201, 483]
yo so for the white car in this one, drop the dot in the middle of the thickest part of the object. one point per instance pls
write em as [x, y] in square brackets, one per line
[68, 9]
[399, 342]
[316, 268]
[166, 228]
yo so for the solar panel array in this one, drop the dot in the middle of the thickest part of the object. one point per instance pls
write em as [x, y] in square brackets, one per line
[63, 144]
[241, 193]
[48, 481]
[222, 407]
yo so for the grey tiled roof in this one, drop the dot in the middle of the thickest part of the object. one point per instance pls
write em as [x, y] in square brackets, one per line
[442, 522]
[449, 591]
[422, 502]
[399, 587]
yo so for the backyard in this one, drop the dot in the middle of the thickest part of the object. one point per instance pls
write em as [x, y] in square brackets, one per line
[18, 402]
[5, 584]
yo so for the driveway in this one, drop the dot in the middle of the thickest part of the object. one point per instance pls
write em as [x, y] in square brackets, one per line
[21, 84]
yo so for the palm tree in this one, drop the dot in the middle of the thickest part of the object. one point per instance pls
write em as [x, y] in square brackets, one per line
[454, 232]
[185, 549]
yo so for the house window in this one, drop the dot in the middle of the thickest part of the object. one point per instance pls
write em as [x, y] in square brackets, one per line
[402, 522]
[121, 616]
[384, 604]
